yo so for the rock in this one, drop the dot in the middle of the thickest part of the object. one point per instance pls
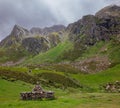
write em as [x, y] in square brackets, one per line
[109, 11]
[15, 37]
[112, 87]
[34, 41]
[54, 38]
[35, 45]
[47, 30]
[91, 29]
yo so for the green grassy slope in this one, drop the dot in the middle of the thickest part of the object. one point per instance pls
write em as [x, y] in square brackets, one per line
[47, 77]
[10, 98]
[96, 81]
[89, 82]
[109, 48]
[12, 54]
[52, 54]
[93, 50]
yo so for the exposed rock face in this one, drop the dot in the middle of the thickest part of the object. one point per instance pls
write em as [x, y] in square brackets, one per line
[36, 31]
[54, 38]
[47, 30]
[91, 29]
[16, 36]
[35, 45]
[19, 31]
[85, 32]
[109, 11]
[36, 40]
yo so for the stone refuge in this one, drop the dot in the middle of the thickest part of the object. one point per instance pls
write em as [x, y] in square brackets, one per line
[37, 93]
[112, 87]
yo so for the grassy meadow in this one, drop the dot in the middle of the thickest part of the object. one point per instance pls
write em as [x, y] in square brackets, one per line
[70, 98]
[90, 96]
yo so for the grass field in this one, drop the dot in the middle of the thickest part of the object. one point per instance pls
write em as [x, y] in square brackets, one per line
[95, 81]
[91, 97]
[71, 98]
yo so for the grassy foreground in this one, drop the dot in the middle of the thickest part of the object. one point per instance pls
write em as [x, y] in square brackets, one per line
[70, 98]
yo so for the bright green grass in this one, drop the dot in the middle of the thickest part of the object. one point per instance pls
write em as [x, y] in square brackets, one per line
[96, 80]
[93, 50]
[18, 69]
[9, 98]
[52, 54]
[109, 49]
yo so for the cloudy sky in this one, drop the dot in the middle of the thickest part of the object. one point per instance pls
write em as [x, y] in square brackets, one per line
[41, 13]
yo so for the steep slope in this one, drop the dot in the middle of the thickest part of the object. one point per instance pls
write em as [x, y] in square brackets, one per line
[113, 11]
[19, 35]
[92, 29]
[22, 42]
[16, 36]
[94, 40]
[52, 55]
[47, 30]
[89, 41]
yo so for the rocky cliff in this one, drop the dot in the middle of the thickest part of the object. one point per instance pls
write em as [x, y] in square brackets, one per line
[47, 30]
[91, 29]
[83, 34]
[16, 36]
[34, 41]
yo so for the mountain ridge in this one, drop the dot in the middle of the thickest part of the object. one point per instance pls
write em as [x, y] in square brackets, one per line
[82, 36]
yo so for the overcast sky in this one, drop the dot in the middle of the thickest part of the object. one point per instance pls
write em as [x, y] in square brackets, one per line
[41, 13]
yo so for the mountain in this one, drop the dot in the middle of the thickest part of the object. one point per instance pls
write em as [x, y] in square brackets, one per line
[47, 30]
[92, 29]
[109, 11]
[93, 40]
[87, 44]
[95, 28]
[22, 43]
[82, 57]
[35, 40]
[16, 36]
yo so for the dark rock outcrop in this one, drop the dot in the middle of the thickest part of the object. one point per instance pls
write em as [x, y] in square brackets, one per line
[109, 11]
[16, 36]
[91, 29]
[35, 45]
[34, 41]
[85, 32]
[47, 30]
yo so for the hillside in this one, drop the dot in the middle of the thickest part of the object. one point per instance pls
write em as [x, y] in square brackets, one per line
[94, 41]
[90, 45]
[65, 99]
[80, 63]
[22, 42]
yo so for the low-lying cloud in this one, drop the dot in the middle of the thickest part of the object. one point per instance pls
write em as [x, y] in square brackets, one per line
[41, 13]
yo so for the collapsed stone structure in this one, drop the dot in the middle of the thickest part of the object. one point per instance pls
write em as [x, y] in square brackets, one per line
[112, 87]
[37, 93]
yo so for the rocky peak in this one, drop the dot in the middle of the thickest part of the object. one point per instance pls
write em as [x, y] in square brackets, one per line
[16, 36]
[47, 30]
[35, 45]
[19, 31]
[102, 26]
[36, 30]
[113, 11]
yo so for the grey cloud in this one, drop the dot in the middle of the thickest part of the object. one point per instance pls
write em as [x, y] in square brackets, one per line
[26, 13]
[29, 13]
